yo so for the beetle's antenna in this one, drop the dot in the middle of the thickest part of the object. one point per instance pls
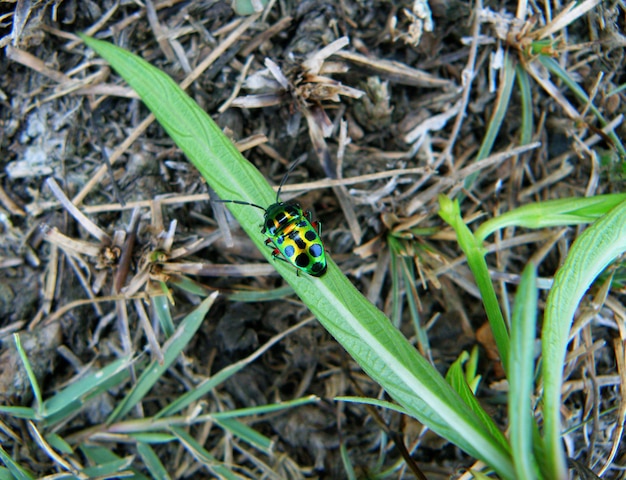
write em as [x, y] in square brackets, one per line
[282, 182]
[239, 202]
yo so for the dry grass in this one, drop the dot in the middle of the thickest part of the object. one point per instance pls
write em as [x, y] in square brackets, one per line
[390, 106]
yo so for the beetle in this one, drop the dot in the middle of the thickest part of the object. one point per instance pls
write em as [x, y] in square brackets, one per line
[291, 233]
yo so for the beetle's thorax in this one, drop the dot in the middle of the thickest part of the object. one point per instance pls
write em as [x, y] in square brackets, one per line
[279, 216]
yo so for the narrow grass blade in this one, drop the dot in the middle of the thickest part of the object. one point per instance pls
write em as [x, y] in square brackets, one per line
[260, 296]
[29, 372]
[456, 378]
[19, 412]
[408, 274]
[152, 438]
[497, 117]
[394, 270]
[58, 443]
[68, 400]
[200, 390]
[247, 434]
[552, 213]
[266, 409]
[152, 462]
[450, 212]
[107, 464]
[553, 66]
[347, 463]
[186, 330]
[521, 375]
[18, 472]
[204, 387]
[381, 350]
[523, 83]
[590, 254]
[203, 456]
[373, 401]
[161, 306]
[388, 358]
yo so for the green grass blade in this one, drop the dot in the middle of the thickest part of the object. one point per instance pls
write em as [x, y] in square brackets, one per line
[590, 254]
[266, 409]
[247, 434]
[186, 330]
[19, 412]
[152, 437]
[58, 443]
[203, 456]
[161, 306]
[381, 350]
[18, 472]
[552, 213]
[450, 212]
[107, 464]
[32, 378]
[408, 274]
[200, 390]
[497, 117]
[372, 401]
[260, 296]
[456, 377]
[521, 374]
[395, 248]
[553, 66]
[204, 387]
[523, 83]
[347, 463]
[80, 391]
[152, 462]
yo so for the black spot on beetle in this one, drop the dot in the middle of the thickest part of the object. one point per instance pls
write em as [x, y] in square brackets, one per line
[302, 260]
[310, 235]
[318, 269]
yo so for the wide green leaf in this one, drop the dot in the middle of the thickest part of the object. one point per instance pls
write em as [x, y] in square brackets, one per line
[590, 254]
[521, 375]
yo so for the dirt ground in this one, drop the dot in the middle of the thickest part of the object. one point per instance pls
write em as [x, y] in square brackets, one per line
[400, 108]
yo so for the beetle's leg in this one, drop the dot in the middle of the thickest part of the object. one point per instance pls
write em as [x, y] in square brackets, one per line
[316, 224]
[270, 244]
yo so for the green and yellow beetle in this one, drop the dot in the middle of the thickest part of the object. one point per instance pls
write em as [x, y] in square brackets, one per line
[291, 232]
